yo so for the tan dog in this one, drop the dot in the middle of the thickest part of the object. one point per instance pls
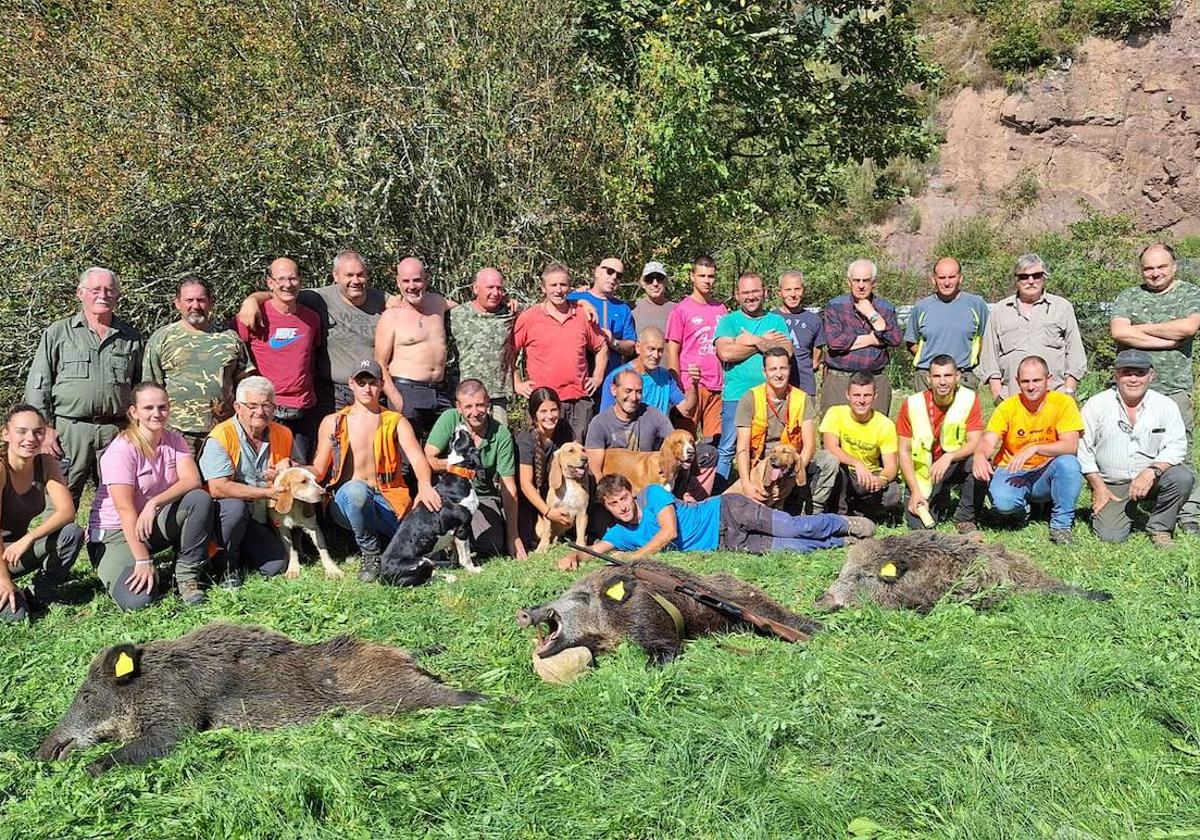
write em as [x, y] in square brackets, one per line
[772, 479]
[645, 468]
[293, 508]
[568, 471]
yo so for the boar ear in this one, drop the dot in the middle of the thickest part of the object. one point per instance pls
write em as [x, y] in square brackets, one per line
[892, 570]
[124, 663]
[619, 589]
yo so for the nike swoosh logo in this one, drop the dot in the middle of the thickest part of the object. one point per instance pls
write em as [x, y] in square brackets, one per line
[280, 343]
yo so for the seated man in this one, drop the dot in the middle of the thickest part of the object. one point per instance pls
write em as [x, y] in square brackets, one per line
[863, 441]
[1037, 433]
[656, 521]
[778, 412]
[239, 460]
[939, 429]
[494, 527]
[659, 387]
[371, 495]
[1132, 451]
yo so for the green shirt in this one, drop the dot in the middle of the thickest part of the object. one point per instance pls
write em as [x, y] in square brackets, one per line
[497, 450]
[196, 368]
[741, 376]
[1172, 368]
[480, 338]
[75, 374]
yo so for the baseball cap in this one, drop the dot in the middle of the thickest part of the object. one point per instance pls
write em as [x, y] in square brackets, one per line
[368, 366]
[654, 268]
[1132, 358]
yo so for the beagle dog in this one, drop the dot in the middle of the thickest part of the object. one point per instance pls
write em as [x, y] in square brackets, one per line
[293, 508]
[567, 490]
[642, 469]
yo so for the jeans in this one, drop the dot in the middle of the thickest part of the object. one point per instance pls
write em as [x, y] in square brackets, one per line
[364, 511]
[728, 445]
[1059, 481]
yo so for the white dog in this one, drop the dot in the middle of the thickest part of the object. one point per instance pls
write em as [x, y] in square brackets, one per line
[293, 508]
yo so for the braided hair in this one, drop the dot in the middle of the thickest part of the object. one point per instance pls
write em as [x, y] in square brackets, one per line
[536, 399]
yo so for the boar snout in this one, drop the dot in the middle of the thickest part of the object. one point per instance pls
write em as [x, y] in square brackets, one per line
[56, 747]
[830, 601]
[531, 616]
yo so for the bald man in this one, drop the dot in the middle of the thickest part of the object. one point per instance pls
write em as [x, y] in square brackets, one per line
[948, 322]
[479, 330]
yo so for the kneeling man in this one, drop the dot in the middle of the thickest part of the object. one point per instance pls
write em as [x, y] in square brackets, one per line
[1133, 449]
[864, 443]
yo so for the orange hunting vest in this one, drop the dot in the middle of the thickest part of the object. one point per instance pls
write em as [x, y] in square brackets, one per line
[791, 427]
[279, 441]
[388, 458]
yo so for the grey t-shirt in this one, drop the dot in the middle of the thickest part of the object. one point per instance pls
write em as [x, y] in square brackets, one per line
[644, 433]
[648, 314]
[348, 331]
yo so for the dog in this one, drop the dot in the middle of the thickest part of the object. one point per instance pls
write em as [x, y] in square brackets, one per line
[645, 468]
[293, 508]
[772, 479]
[407, 560]
[568, 471]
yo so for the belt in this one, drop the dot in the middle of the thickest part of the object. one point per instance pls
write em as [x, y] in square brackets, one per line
[404, 380]
[98, 421]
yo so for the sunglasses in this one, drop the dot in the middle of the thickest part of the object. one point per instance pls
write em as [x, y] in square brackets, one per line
[1033, 275]
[654, 278]
[612, 272]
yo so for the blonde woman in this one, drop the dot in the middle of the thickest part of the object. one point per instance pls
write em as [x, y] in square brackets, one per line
[149, 499]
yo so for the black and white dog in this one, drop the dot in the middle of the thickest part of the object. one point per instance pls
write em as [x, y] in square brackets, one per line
[423, 533]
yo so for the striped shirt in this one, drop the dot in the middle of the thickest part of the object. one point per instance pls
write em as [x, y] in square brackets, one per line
[1118, 450]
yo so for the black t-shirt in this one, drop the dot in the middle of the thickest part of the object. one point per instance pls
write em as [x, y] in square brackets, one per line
[527, 441]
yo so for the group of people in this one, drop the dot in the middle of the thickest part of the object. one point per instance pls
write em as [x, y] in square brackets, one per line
[184, 433]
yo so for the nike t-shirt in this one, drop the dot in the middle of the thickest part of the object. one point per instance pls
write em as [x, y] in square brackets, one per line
[284, 351]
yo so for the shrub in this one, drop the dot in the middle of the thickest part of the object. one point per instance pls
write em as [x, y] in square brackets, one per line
[1121, 18]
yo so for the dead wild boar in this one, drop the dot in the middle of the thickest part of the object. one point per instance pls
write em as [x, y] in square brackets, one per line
[917, 570]
[148, 697]
[601, 609]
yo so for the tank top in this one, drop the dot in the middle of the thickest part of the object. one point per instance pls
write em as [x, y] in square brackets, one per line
[21, 508]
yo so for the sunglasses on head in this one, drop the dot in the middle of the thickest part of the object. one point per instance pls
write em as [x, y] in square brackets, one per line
[1033, 275]
[612, 272]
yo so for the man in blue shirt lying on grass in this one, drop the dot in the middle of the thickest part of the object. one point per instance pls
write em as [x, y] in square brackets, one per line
[656, 521]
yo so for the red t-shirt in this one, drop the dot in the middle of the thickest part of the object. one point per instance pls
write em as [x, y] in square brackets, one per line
[556, 354]
[936, 418]
[284, 351]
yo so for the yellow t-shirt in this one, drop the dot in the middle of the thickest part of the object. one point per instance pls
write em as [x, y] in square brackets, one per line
[868, 442]
[1018, 428]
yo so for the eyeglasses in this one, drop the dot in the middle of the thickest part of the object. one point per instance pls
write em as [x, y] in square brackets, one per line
[265, 408]
[612, 272]
[1033, 275]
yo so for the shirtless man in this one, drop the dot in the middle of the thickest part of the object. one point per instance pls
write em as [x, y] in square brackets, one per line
[360, 449]
[410, 346]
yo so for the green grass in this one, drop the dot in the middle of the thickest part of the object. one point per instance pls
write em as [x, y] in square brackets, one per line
[1044, 717]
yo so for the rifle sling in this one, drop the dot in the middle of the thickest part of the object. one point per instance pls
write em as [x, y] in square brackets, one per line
[673, 611]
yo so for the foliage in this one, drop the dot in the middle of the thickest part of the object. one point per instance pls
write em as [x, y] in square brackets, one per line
[1121, 18]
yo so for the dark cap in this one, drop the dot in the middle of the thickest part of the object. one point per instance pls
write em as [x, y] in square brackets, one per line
[1136, 359]
[368, 366]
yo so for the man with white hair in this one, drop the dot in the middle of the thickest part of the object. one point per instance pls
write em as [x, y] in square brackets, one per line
[860, 330]
[82, 375]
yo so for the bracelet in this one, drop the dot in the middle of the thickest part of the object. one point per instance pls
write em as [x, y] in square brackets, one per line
[148, 560]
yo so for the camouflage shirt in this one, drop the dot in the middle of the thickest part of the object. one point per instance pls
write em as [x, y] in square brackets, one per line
[480, 337]
[1172, 368]
[196, 368]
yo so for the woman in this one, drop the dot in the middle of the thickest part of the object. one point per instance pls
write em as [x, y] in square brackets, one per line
[28, 480]
[149, 499]
[534, 448]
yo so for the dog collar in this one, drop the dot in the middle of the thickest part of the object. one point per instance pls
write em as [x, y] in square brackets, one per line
[462, 472]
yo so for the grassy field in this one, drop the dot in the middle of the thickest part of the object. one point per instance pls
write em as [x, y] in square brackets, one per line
[1044, 717]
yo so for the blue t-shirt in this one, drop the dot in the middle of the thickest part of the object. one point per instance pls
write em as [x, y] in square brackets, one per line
[808, 332]
[699, 524]
[950, 328]
[659, 388]
[615, 316]
[741, 376]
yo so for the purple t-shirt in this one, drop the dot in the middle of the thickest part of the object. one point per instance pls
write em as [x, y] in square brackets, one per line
[692, 325]
[123, 463]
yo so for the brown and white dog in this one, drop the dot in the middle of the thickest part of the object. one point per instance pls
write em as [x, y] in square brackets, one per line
[293, 508]
[772, 479]
[645, 468]
[568, 472]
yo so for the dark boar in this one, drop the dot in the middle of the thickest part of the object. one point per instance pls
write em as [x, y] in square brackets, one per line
[148, 697]
[917, 570]
[603, 608]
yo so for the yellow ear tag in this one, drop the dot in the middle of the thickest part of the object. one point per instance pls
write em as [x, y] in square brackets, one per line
[616, 591]
[124, 665]
[888, 572]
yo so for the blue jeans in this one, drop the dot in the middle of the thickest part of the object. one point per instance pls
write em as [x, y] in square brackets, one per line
[1059, 481]
[364, 511]
[728, 443]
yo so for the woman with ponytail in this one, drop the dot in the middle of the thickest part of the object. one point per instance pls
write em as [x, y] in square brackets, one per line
[535, 445]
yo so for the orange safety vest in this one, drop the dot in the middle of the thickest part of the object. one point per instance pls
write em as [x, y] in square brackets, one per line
[388, 458]
[791, 428]
[279, 441]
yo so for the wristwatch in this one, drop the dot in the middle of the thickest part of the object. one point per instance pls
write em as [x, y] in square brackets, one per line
[1156, 469]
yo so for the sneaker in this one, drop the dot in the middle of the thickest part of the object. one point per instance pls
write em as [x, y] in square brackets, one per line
[859, 527]
[370, 568]
[1192, 528]
[1161, 539]
[191, 593]
[1061, 536]
[965, 528]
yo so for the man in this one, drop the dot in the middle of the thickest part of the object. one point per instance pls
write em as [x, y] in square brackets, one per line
[362, 449]
[938, 429]
[690, 328]
[1037, 434]
[863, 442]
[741, 338]
[656, 521]
[480, 330]
[197, 363]
[557, 337]
[659, 388]
[614, 316]
[410, 346]
[860, 329]
[1161, 317]
[494, 526]
[948, 322]
[806, 329]
[627, 424]
[82, 375]
[1132, 452]
[1031, 323]
[239, 461]
[284, 350]
[653, 308]
[779, 412]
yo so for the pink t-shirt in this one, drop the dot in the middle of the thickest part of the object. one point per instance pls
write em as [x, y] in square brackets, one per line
[692, 324]
[123, 463]
[284, 351]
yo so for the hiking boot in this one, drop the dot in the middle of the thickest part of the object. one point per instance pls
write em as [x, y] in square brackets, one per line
[859, 527]
[191, 593]
[1161, 539]
[370, 568]
[965, 528]
[1192, 528]
[1061, 536]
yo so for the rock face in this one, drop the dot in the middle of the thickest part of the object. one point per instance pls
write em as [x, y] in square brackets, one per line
[1118, 129]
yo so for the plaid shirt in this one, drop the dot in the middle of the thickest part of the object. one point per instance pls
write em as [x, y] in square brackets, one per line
[843, 324]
